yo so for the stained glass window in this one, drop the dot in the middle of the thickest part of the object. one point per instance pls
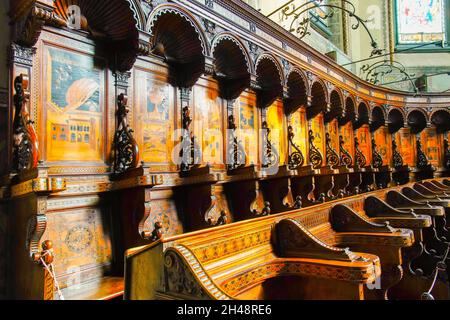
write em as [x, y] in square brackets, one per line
[420, 21]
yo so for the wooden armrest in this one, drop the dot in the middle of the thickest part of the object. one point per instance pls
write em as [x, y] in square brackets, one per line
[400, 201]
[418, 222]
[374, 207]
[293, 240]
[344, 219]
[401, 238]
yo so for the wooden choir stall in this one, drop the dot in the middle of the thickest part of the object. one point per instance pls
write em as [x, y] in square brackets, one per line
[196, 150]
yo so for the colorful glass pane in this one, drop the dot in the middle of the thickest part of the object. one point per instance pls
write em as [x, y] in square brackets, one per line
[420, 21]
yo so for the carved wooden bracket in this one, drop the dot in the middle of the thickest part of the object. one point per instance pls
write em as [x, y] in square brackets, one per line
[422, 159]
[243, 192]
[315, 156]
[359, 156]
[345, 157]
[377, 159]
[296, 158]
[156, 234]
[236, 157]
[271, 157]
[190, 153]
[195, 196]
[397, 158]
[28, 28]
[332, 156]
[277, 190]
[25, 147]
[295, 241]
[126, 150]
[303, 185]
[221, 221]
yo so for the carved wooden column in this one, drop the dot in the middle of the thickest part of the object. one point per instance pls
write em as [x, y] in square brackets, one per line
[401, 172]
[338, 158]
[424, 169]
[342, 180]
[195, 192]
[242, 180]
[333, 163]
[276, 185]
[324, 181]
[417, 121]
[358, 167]
[190, 153]
[383, 172]
[131, 185]
[368, 175]
[235, 156]
[303, 184]
[21, 71]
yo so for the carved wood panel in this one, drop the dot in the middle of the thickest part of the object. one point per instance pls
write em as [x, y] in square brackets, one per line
[82, 244]
[333, 130]
[247, 121]
[154, 119]
[384, 145]
[318, 129]
[73, 96]
[277, 123]
[431, 146]
[365, 143]
[208, 115]
[405, 143]
[346, 131]
[299, 125]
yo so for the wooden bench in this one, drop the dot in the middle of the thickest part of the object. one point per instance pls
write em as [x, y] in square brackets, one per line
[304, 252]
